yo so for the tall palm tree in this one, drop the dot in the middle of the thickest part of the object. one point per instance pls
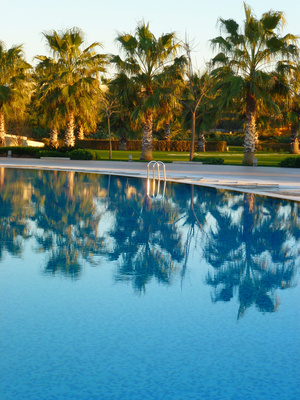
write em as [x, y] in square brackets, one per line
[76, 77]
[15, 86]
[47, 98]
[287, 88]
[145, 59]
[247, 54]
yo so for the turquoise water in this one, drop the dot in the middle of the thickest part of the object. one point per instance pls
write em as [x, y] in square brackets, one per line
[107, 294]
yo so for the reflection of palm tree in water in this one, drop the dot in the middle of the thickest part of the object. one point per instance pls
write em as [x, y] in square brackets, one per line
[15, 201]
[69, 220]
[2, 171]
[147, 243]
[248, 255]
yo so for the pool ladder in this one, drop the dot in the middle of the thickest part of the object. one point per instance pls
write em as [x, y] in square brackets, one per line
[155, 167]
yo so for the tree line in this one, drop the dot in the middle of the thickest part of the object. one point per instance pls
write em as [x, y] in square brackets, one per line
[152, 84]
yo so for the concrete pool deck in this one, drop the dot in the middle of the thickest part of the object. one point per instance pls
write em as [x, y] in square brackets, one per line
[266, 181]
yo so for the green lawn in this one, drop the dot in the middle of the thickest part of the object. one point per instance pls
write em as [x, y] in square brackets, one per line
[233, 157]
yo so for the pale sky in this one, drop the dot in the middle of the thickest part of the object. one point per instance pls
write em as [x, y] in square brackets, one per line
[23, 21]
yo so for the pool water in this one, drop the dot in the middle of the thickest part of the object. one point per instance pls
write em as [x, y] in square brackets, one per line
[109, 294]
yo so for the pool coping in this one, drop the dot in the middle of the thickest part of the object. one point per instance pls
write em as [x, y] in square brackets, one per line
[264, 181]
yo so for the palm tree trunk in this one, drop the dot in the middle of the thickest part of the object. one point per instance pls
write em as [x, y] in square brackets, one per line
[2, 129]
[250, 131]
[2, 173]
[146, 153]
[109, 137]
[53, 142]
[192, 148]
[69, 135]
[295, 139]
[201, 142]
[70, 183]
[80, 132]
[167, 132]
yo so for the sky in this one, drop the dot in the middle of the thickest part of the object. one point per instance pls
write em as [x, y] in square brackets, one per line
[23, 21]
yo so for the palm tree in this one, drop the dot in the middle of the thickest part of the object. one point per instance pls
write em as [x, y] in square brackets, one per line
[246, 57]
[145, 59]
[76, 84]
[287, 88]
[15, 87]
[47, 98]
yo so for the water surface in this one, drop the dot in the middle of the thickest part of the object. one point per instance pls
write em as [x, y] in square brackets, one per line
[108, 294]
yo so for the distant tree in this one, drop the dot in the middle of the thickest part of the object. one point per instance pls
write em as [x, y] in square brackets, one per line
[109, 105]
[196, 94]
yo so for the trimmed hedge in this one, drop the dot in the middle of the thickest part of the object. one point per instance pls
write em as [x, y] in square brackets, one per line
[51, 153]
[46, 141]
[26, 151]
[209, 160]
[158, 145]
[82, 154]
[132, 145]
[290, 162]
[216, 146]
[278, 147]
[96, 144]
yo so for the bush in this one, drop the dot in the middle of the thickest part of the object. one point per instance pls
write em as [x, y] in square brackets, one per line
[51, 153]
[232, 139]
[277, 147]
[82, 154]
[209, 160]
[26, 151]
[290, 162]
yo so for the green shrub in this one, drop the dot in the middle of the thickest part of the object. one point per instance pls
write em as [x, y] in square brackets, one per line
[290, 162]
[22, 151]
[51, 153]
[232, 139]
[209, 160]
[82, 154]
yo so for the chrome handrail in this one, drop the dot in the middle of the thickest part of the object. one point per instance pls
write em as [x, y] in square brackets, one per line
[156, 165]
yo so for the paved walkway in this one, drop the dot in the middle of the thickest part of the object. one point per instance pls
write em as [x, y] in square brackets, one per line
[268, 181]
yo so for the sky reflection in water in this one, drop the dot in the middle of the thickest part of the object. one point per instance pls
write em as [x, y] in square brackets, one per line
[106, 294]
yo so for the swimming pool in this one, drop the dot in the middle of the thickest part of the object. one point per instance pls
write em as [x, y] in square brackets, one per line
[107, 294]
